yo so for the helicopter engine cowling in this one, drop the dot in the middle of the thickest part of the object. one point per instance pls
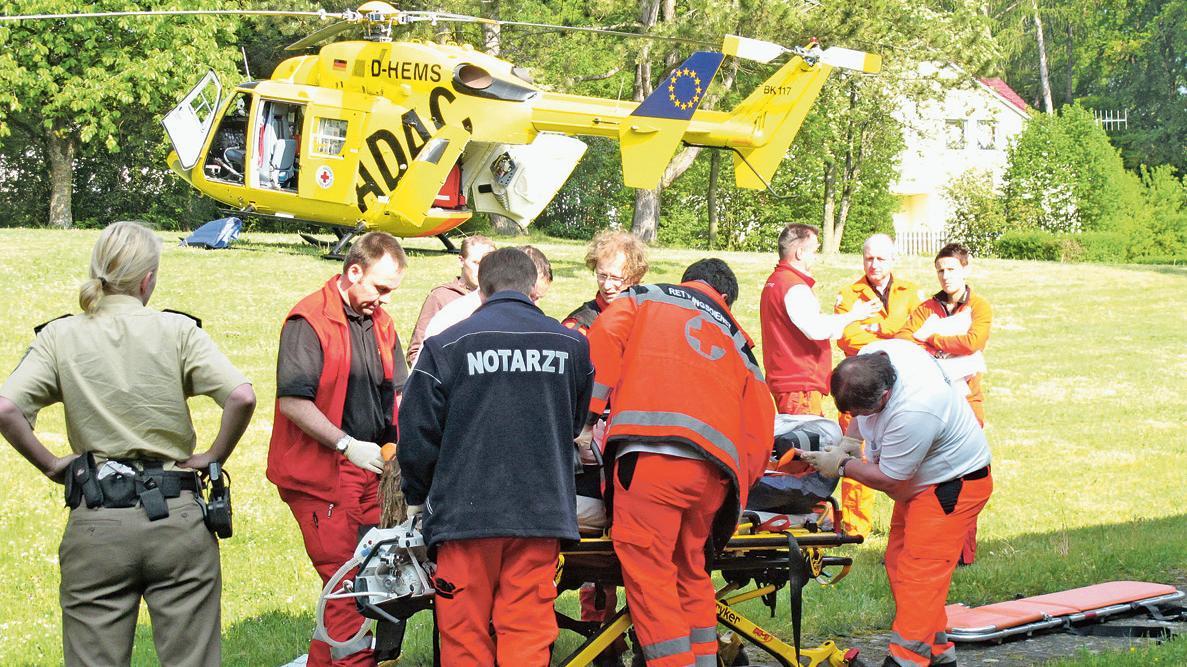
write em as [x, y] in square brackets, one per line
[518, 181]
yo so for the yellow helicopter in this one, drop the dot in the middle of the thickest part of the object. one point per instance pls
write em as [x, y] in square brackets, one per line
[412, 137]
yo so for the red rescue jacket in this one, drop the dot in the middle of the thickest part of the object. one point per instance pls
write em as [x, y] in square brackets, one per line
[675, 367]
[296, 462]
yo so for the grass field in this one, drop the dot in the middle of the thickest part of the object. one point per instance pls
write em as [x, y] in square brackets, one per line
[1086, 402]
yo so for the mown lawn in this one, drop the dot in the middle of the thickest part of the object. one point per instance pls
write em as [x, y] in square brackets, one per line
[1086, 400]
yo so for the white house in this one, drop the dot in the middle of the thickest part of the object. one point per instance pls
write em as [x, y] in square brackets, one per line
[969, 128]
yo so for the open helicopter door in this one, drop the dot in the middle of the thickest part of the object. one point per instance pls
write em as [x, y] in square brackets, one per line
[518, 181]
[189, 123]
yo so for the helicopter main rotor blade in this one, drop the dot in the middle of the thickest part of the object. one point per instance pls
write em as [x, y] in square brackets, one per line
[607, 31]
[319, 36]
[170, 12]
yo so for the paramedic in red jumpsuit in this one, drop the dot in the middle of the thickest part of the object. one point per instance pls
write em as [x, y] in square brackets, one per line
[683, 447]
[338, 372]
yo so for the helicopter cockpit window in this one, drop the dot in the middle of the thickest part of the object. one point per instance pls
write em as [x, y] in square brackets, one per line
[330, 137]
[278, 140]
[228, 150]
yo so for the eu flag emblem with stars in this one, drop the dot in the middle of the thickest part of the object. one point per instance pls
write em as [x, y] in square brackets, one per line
[679, 94]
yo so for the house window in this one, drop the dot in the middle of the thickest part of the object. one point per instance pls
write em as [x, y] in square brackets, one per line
[954, 133]
[330, 137]
[986, 135]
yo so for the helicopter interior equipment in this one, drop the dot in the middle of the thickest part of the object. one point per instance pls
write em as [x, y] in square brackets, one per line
[414, 137]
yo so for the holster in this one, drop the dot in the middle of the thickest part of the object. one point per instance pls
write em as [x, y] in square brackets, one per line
[216, 508]
[82, 482]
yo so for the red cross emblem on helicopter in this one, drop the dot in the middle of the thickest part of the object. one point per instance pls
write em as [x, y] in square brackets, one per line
[325, 176]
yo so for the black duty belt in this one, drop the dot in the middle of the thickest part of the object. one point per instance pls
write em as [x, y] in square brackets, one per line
[977, 474]
[148, 485]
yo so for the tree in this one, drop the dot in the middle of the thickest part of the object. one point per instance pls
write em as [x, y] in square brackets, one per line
[70, 87]
[852, 139]
[978, 219]
[1064, 176]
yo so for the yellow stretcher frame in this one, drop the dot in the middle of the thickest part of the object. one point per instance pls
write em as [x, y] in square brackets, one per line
[757, 557]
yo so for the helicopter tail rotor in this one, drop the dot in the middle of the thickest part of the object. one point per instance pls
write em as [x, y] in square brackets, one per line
[777, 108]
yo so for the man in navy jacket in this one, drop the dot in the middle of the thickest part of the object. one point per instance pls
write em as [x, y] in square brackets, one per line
[487, 426]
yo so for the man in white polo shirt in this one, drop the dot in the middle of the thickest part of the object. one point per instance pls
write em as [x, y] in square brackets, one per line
[927, 452]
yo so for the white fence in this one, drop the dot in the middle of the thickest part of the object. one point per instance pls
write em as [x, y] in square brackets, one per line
[920, 243]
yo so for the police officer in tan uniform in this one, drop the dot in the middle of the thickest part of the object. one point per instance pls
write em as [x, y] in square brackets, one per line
[123, 373]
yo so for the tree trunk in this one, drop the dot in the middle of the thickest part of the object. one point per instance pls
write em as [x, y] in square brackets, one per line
[60, 147]
[492, 38]
[1044, 76]
[645, 224]
[1071, 65]
[711, 196]
[829, 213]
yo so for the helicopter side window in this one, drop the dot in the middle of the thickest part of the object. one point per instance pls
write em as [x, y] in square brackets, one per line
[228, 150]
[278, 141]
[330, 137]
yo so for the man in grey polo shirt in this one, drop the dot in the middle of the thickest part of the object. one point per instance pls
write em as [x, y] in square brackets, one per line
[927, 452]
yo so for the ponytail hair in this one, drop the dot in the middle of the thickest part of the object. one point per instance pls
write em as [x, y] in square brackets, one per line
[124, 254]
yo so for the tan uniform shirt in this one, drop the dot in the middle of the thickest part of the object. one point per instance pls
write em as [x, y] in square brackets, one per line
[123, 376]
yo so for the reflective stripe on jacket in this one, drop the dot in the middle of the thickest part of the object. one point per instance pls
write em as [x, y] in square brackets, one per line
[297, 462]
[674, 366]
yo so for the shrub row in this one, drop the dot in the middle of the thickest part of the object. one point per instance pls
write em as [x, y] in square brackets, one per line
[1105, 247]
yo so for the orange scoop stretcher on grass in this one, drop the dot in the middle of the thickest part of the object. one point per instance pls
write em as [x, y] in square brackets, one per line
[1064, 609]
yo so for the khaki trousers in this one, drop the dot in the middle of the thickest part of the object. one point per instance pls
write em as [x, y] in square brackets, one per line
[110, 558]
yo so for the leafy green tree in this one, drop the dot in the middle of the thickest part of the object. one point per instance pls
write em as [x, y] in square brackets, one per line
[1064, 175]
[86, 89]
[978, 218]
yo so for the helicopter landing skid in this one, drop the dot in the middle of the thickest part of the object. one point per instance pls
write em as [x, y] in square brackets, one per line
[449, 246]
[336, 252]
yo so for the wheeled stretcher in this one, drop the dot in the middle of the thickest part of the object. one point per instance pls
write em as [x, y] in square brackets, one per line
[766, 554]
[390, 580]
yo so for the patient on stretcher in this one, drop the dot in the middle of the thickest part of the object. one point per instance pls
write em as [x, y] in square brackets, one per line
[795, 490]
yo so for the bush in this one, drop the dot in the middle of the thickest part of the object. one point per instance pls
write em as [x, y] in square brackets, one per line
[1029, 244]
[1105, 247]
[978, 217]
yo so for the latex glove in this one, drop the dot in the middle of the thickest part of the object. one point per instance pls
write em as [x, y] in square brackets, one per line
[825, 462]
[414, 510]
[851, 446]
[365, 455]
[584, 444]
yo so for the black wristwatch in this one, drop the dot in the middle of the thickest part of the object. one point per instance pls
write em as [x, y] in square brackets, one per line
[841, 468]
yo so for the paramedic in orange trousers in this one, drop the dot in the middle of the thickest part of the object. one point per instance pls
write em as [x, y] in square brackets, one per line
[683, 448]
[339, 371]
[955, 350]
[494, 481]
[897, 298]
[618, 260]
[927, 452]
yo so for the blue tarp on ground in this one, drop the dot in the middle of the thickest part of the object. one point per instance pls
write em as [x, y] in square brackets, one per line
[216, 234]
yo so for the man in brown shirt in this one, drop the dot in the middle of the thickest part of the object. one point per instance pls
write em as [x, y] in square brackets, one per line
[474, 248]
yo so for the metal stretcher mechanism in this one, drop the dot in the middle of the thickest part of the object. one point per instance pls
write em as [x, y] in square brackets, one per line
[1062, 610]
[763, 556]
